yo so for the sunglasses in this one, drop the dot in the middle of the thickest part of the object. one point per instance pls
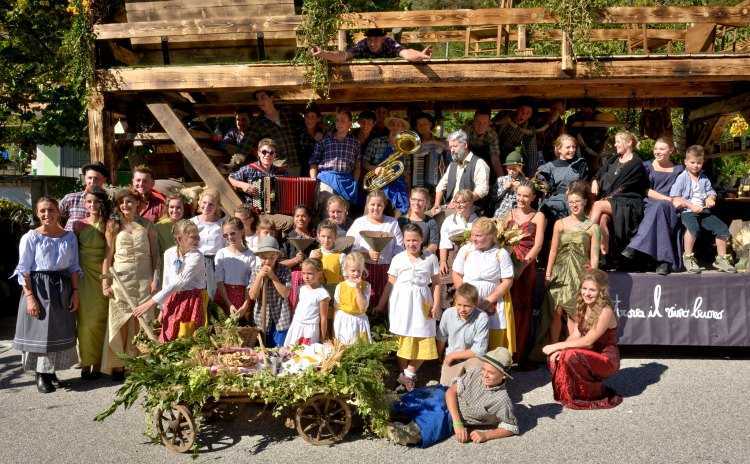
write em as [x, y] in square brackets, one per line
[267, 152]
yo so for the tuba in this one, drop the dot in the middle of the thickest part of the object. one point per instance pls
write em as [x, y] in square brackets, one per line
[407, 143]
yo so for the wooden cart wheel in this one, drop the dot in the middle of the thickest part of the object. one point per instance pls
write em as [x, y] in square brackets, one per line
[176, 428]
[323, 420]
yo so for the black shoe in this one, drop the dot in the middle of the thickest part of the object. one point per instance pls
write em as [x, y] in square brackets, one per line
[118, 375]
[57, 383]
[663, 269]
[43, 383]
[628, 252]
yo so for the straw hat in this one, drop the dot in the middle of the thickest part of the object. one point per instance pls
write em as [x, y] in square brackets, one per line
[501, 359]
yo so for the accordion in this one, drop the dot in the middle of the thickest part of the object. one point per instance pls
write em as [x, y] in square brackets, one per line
[280, 195]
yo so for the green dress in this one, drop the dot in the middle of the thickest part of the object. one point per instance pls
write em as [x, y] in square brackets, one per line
[573, 254]
[164, 234]
[93, 310]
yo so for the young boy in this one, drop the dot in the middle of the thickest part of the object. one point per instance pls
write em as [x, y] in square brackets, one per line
[271, 284]
[506, 185]
[466, 330]
[693, 194]
[477, 398]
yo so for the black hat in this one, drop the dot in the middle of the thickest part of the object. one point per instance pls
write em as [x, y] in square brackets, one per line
[98, 167]
[375, 32]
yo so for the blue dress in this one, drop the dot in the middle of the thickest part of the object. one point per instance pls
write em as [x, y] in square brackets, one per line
[657, 233]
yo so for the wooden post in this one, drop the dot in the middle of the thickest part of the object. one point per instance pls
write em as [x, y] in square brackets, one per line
[499, 40]
[342, 40]
[645, 38]
[521, 39]
[195, 154]
[101, 134]
[567, 65]
[467, 39]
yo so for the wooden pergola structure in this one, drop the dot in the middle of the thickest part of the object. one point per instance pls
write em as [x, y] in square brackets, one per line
[201, 58]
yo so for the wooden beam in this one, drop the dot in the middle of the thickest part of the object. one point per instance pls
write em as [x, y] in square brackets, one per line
[391, 73]
[726, 106]
[700, 38]
[195, 154]
[124, 55]
[95, 112]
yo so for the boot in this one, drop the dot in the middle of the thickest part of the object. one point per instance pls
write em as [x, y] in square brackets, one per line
[43, 383]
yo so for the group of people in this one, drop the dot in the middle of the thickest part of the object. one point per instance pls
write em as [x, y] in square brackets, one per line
[437, 269]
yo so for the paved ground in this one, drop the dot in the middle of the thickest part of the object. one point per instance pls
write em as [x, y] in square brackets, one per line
[676, 410]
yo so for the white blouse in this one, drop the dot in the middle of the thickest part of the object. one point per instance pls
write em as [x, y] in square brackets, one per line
[181, 273]
[454, 224]
[39, 252]
[212, 239]
[234, 269]
[308, 304]
[389, 225]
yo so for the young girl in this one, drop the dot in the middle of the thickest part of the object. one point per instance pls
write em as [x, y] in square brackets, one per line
[182, 296]
[490, 270]
[249, 219]
[331, 259]
[417, 214]
[337, 210]
[48, 273]
[414, 304]
[589, 355]
[294, 257]
[351, 299]
[574, 248]
[310, 322]
[234, 265]
[92, 248]
[377, 266]
[270, 291]
[209, 224]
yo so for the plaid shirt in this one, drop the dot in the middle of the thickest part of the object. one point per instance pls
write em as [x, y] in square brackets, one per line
[391, 49]
[73, 208]
[480, 405]
[286, 136]
[332, 154]
[485, 146]
[251, 173]
[512, 136]
[278, 307]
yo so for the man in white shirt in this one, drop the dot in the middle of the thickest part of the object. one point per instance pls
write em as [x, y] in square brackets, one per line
[466, 171]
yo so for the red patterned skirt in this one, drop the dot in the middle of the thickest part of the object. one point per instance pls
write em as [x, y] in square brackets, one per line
[182, 313]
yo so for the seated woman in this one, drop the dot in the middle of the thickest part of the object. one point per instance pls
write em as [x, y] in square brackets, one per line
[567, 168]
[657, 234]
[580, 364]
[621, 183]
[245, 178]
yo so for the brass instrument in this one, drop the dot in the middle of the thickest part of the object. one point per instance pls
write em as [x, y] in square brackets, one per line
[407, 143]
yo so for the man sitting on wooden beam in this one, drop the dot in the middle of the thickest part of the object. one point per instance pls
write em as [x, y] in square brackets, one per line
[375, 45]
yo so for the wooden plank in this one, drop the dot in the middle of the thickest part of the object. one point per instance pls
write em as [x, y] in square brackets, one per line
[700, 38]
[654, 68]
[730, 105]
[131, 6]
[602, 35]
[196, 27]
[207, 12]
[675, 14]
[195, 155]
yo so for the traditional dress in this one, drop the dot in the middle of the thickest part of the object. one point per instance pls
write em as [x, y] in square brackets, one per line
[522, 291]
[657, 234]
[94, 307]
[48, 342]
[305, 328]
[182, 297]
[453, 224]
[132, 263]
[234, 271]
[212, 241]
[624, 185]
[410, 304]
[377, 273]
[484, 269]
[578, 374]
[350, 321]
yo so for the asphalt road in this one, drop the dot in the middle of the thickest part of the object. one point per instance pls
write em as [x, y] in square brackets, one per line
[676, 410]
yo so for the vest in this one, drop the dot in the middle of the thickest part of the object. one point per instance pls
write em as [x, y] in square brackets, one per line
[467, 177]
[332, 268]
[348, 299]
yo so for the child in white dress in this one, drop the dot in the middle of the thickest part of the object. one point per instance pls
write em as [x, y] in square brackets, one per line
[351, 299]
[414, 304]
[210, 223]
[489, 269]
[310, 322]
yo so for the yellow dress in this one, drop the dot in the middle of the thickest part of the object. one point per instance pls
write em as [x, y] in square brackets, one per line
[332, 273]
[93, 309]
[132, 263]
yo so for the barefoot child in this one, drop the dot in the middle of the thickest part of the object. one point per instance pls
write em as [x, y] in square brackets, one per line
[351, 299]
[270, 291]
[310, 322]
[234, 266]
[414, 304]
[182, 296]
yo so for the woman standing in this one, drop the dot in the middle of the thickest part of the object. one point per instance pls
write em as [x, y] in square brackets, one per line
[48, 272]
[657, 234]
[133, 256]
[532, 224]
[92, 249]
[621, 183]
[580, 364]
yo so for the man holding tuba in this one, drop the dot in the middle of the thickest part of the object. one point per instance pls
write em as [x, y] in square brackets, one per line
[383, 172]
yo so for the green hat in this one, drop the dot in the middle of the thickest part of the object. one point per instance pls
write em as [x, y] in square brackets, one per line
[514, 157]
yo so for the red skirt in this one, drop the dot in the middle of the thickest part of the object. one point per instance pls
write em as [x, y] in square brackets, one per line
[294, 291]
[237, 295]
[377, 276]
[578, 378]
[522, 296]
[182, 312]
